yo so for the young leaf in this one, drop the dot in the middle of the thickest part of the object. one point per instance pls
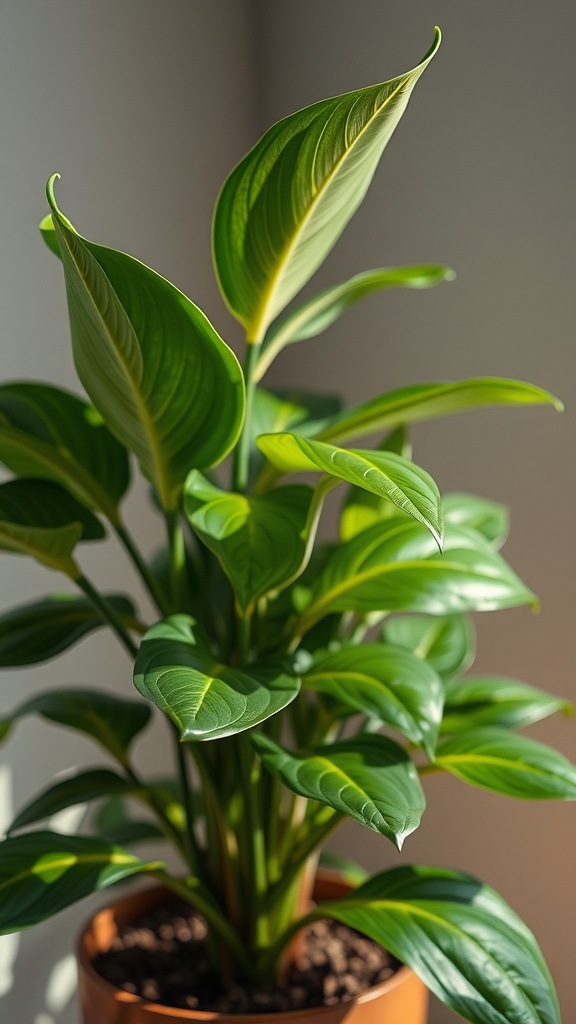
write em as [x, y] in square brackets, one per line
[447, 643]
[503, 762]
[369, 778]
[316, 315]
[77, 789]
[488, 517]
[36, 632]
[384, 473]
[42, 873]
[387, 683]
[480, 701]
[460, 937]
[50, 433]
[164, 381]
[285, 205]
[205, 699]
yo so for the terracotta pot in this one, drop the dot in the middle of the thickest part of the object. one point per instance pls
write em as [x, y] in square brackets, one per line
[401, 1000]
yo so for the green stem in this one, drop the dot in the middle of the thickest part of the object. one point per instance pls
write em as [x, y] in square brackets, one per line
[108, 613]
[299, 854]
[143, 569]
[241, 467]
[194, 854]
[178, 572]
[251, 770]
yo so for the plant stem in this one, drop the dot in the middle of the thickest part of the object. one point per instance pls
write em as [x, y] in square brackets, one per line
[178, 577]
[108, 613]
[194, 854]
[241, 467]
[152, 585]
[251, 770]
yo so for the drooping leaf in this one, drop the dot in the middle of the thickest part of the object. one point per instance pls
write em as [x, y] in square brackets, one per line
[506, 763]
[152, 364]
[447, 643]
[388, 684]
[318, 313]
[112, 721]
[396, 567]
[460, 937]
[384, 473]
[38, 631]
[42, 873]
[369, 778]
[361, 508]
[429, 401]
[206, 700]
[479, 701]
[50, 433]
[77, 789]
[285, 205]
[488, 517]
[259, 542]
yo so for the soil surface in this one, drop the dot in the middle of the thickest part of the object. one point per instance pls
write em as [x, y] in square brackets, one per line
[162, 958]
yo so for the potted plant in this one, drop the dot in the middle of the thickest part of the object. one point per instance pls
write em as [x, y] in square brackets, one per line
[304, 682]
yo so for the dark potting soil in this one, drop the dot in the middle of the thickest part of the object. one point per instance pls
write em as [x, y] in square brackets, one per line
[162, 958]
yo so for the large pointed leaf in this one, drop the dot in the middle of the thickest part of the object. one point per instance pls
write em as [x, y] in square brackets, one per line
[42, 873]
[460, 937]
[446, 642]
[35, 632]
[429, 401]
[384, 473]
[318, 313]
[112, 721]
[479, 701]
[50, 433]
[155, 368]
[388, 684]
[41, 519]
[205, 699]
[506, 763]
[396, 567]
[83, 787]
[369, 778]
[284, 206]
[259, 542]
[490, 518]
[361, 508]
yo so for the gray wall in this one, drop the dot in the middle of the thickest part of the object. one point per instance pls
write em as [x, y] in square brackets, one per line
[123, 99]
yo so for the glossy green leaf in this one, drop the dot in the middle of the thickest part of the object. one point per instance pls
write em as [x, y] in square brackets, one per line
[384, 473]
[164, 381]
[40, 519]
[490, 518]
[92, 784]
[446, 642]
[113, 823]
[318, 313]
[488, 700]
[285, 205]
[49, 433]
[369, 778]
[278, 410]
[36, 632]
[397, 567]
[205, 699]
[430, 401]
[259, 542]
[506, 763]
[112, 721]
[460, 937]
[42, 873]
[388, 684]
[361, 508]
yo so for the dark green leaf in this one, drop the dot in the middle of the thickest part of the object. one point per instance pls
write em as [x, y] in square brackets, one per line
[486, 700]
[447, 642]
[488, 517]
[77, 789]
[369, 778]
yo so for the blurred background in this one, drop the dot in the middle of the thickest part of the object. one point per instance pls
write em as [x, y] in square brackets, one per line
[144, 106]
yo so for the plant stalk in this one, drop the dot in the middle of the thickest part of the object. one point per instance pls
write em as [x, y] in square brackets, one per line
[241, 467]
[108, 613]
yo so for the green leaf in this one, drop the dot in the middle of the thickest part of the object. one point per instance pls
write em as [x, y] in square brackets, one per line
[164, 381]
[318, 313]
[503, 762]
[362, 509]
[369, 778]
[113, 824]
[487, 700]
[40, 519]
[284, 206]
[395, 566]
[42, 873]
[112, 721]
[384, 473]
[36, 632]
[460, 937]
[490, 518]
[429, 401]
[48, 233]
[447, 643]
[388, 684]
[259, 542]
[346, 868]
[206, 700]
[77, 789]
[49, 433]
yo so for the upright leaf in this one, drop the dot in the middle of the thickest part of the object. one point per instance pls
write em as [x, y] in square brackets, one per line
[479, 701]
[284, 206]
[446, 642]
[155, 368]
